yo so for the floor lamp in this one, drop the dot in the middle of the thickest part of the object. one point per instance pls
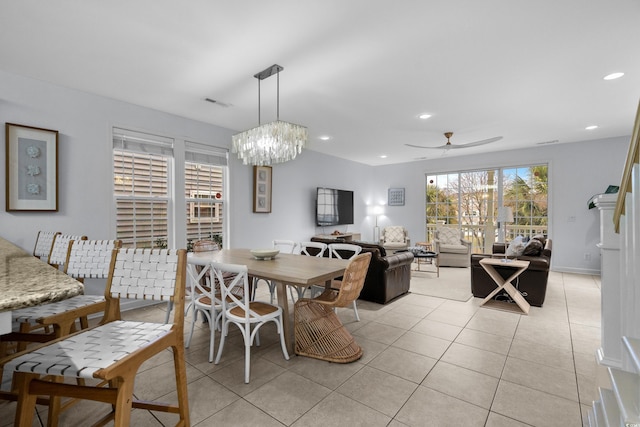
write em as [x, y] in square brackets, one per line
[505, 215]
[376, 211]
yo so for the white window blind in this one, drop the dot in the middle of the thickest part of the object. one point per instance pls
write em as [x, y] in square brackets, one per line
[142, 164]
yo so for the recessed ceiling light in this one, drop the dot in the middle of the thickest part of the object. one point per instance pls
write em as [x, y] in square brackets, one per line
[424, 116]
[324, 137]
[384, 156]
[592, 127]
[613, 76]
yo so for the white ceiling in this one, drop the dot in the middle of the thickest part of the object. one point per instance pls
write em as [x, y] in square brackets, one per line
[360, 71]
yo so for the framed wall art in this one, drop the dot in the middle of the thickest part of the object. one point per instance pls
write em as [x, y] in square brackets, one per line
[262, 189]
[396, 197]
[32, 168]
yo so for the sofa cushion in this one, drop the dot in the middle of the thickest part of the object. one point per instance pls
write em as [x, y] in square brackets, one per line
[449, 236]
[394, 234]
[541, 238]
[516, 247]
[454, 249]
[533, 248]
[395, 245]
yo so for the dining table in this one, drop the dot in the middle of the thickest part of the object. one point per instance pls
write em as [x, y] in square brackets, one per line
[283, 270]
[27, 281]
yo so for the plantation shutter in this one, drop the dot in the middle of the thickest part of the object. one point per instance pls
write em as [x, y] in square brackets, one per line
[204, 190]
[142, 165]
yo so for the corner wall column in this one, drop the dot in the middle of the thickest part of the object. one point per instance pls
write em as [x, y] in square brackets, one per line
[610, 352]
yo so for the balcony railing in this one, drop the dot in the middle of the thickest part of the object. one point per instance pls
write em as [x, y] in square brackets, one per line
[482, 237]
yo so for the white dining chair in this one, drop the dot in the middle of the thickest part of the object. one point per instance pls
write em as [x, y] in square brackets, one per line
[316, 249]
[344, 251]
[247, 315]
[285, 247]
[205, 299]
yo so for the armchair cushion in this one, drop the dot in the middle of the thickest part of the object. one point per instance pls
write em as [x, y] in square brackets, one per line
[454, 249]
[449, 236]
[394, 234]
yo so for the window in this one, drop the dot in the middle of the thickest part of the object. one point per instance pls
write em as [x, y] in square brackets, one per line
[470, 201]
[204, 192]
[150, 211]
[141, 169]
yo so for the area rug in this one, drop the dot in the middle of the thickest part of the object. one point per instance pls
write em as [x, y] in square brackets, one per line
[453, 283]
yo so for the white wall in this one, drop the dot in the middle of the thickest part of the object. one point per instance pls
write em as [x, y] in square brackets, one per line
[292, 214]
[577, 171]
[84, 124]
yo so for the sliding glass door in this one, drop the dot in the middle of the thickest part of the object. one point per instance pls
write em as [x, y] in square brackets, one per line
[469, 200]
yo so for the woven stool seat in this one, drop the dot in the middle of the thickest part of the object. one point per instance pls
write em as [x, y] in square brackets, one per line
[32, 314]
[320, 334]
[80, 356]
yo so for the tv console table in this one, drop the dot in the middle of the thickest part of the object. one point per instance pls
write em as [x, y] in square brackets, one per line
[347, 237]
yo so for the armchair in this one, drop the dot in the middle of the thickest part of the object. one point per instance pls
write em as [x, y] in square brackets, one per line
[453, 250]
[394, 238]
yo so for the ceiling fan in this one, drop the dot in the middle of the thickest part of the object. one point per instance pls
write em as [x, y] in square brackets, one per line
[449, 145]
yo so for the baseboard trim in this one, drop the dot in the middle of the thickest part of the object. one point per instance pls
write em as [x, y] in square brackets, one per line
[589, 271]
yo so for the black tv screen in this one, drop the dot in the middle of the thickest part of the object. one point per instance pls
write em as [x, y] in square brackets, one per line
[334, 207]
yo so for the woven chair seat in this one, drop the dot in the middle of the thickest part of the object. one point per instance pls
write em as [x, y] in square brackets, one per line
[32, 314]
[81, 355]
[321, 335]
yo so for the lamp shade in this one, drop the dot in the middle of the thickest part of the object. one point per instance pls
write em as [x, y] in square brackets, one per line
[505, 214]
[375, 210]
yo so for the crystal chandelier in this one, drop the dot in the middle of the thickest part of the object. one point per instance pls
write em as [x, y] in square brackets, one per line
[274, 142]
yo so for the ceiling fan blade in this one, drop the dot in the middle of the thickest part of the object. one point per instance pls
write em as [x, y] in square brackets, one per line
[475, 144]
[451, 146]
[440, 147]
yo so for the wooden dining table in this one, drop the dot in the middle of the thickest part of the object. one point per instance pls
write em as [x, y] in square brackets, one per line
[283, 270]
[26, 281]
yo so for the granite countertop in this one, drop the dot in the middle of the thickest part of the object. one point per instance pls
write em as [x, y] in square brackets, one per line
[26, 281]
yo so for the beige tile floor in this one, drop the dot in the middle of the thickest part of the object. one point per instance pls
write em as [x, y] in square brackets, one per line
[427, 362]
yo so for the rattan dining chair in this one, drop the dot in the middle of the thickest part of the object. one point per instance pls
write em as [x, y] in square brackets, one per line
[44, 243]
[112, 352]
[344, 251]
[319, 333]
[86, 259]
[249, 316]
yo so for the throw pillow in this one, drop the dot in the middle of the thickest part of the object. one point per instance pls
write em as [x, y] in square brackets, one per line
[541, 238]
[394, 234]
[516, 247]
[533, 248]
[449, 236]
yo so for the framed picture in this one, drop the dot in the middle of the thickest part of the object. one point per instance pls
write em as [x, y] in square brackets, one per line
[396, 197]
[262, 189]
[32, 168]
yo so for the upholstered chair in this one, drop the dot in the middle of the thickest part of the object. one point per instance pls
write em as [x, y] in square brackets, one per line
[394, 238]
[453, 249]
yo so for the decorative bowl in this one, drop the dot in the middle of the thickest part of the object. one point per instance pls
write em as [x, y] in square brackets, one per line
[265, 253]
[416, 249]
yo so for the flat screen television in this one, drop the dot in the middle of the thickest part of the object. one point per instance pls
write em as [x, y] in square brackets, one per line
[334, 207]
